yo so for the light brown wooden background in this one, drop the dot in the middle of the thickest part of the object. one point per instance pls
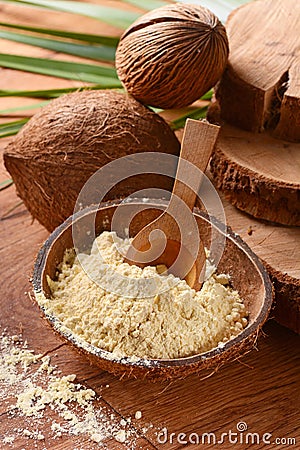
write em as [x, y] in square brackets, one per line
[261, 389]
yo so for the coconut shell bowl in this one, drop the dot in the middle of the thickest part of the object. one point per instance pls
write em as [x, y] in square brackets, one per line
[247, 275]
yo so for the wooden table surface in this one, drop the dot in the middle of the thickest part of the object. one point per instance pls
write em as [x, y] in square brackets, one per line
[261, 389]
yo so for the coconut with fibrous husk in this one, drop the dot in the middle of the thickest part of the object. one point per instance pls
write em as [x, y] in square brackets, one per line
[60, 148]
[171, 56]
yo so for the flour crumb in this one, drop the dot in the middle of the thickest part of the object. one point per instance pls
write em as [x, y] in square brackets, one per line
[121, 436]
[138, 415]
[8, 439]
[30, 390]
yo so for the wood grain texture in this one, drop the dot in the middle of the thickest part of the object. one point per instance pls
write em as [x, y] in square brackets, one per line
[259, 174]
[20, 240]
[262, 389]
[256, 165]
[260, 87]
[218, 403]
[279, 248]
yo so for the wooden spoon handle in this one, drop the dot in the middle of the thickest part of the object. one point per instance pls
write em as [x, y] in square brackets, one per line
[199, 139]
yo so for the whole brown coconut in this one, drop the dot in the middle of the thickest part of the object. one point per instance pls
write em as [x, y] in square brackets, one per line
[173, 55]
[59, 149]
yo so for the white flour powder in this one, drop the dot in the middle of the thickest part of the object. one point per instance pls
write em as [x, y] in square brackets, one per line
[174, 322]
[30, 387]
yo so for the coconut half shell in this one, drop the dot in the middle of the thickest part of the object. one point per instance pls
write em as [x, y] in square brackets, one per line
[59, 149]
[247, 274]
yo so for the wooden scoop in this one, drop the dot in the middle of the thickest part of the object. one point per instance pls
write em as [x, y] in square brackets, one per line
[172, 240]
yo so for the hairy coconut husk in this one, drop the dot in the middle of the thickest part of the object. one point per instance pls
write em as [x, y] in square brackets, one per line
[59, 149]
[171, 56]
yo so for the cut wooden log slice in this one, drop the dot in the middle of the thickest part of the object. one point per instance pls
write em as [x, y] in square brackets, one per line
[276, 245]
[259, 174]
[260, 88]
[279, 249]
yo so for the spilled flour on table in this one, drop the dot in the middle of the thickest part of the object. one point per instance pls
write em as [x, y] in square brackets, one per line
[34, 396]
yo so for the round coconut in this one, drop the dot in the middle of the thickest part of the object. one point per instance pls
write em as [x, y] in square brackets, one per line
[59, 149]
[173, 55]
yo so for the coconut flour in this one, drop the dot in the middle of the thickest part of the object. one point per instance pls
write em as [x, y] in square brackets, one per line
[41, 407]
[174, 322]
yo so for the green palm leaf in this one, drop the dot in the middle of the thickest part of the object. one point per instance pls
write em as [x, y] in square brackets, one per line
[103, 48]
[91, 38]
[11, 128]
[149, 5]
[23, 108]
[221, 7]
[113, 16]
[105, 76]
[6, 184]
[46, 93]
[196, 114]
[100, 53]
